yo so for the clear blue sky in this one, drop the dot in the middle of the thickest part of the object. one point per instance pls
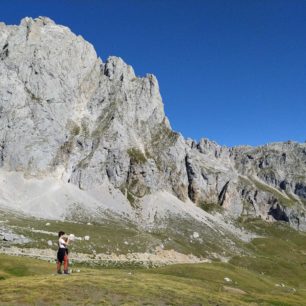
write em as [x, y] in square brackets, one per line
[230, 70]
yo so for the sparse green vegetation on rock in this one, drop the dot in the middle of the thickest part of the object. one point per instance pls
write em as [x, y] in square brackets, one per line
[136, 156]
[211, 207]
[283, 198]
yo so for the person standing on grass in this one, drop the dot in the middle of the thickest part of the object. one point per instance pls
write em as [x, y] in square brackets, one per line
[62, 253]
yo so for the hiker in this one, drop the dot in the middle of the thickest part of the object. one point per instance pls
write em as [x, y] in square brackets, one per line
[62, 253]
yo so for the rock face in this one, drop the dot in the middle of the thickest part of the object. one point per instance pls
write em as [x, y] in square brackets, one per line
[265, 181]
[66, 114]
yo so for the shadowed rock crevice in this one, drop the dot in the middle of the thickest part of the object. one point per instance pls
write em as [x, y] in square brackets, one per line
[300, 190]
[278, 213]
[222, 194]
[190, 175]
[4, 52]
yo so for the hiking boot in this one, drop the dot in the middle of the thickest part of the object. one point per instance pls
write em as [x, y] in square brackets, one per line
[59, 272]
[66, 272]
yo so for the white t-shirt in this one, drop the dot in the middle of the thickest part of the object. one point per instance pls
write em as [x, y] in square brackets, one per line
[62, 243]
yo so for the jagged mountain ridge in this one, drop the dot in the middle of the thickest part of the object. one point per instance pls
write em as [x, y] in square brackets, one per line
[67, 115]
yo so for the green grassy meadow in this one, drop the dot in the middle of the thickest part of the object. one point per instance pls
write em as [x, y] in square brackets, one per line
[273, 273]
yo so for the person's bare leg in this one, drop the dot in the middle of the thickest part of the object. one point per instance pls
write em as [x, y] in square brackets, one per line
[59, 267]
[66, 264]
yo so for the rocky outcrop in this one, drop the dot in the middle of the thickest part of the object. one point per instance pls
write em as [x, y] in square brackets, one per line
[66, 114]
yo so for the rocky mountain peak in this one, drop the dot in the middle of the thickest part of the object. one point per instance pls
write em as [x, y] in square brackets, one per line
[41, 21]
[116, 69]
[66, 114]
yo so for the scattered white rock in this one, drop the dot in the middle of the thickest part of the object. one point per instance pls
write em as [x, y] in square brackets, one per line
[162, 257]
[50, 243]
[48, 224]
[86, 238]
[125, 242]
[9, 237]
[195, 235]
[228, 280]
[71, 237]
[233, 290]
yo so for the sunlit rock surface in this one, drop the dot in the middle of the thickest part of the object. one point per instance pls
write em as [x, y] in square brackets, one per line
[67, 117]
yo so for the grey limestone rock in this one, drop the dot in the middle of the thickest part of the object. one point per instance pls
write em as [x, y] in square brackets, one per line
[65, 113]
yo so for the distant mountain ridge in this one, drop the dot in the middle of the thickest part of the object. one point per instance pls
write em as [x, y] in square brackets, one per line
[68, 117]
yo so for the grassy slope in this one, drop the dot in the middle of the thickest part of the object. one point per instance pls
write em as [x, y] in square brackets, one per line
[121, 237]
[279, 259]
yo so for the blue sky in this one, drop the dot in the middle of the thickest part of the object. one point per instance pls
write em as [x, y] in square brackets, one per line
[233, 71]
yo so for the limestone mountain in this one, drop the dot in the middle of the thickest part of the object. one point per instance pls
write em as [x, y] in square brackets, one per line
[88, 133]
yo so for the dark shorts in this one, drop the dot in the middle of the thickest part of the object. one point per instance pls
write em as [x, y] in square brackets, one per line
[61, 254]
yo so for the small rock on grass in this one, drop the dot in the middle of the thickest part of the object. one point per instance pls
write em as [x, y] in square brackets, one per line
[233, 290]
[195, 235]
